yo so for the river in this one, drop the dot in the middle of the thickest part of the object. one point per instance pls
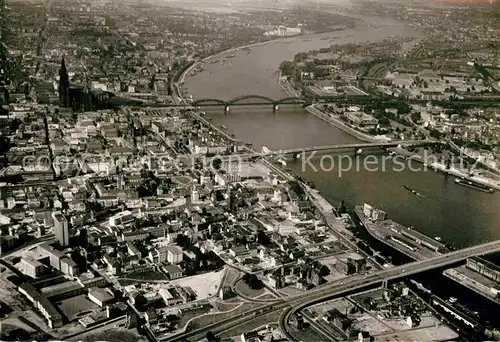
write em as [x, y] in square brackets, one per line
[459, 215]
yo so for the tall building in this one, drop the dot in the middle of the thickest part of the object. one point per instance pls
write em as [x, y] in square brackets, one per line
[61, 229]
[64, 98]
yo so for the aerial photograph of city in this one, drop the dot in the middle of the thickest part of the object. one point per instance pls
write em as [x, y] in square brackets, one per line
[249, 170]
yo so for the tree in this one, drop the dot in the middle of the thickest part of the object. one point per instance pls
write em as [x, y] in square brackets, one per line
[403, 108]
[210, 336]
[383, 120]
[190, 266]
[300, 57]
[173, 318]
[434, 133]
[252, 281]
[287, 68]
[241, 240]
[216, 163]
[262, 238]
[4, 144]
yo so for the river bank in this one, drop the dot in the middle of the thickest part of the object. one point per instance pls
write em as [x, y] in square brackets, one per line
[445, 210]
[429, 162]
[218, 54]
[241, 47]
[179, 84]
[339, 124]
[288, 89]
[250, 45]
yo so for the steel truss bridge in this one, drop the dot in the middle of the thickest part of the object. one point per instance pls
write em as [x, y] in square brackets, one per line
[246, 100]
[261, 100]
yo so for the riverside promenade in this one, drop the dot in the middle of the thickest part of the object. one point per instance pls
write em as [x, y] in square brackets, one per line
[339, 124]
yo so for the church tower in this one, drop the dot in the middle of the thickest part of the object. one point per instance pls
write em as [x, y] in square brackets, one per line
[64, 100]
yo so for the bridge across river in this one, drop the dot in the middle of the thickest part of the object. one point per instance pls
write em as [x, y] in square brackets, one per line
[256, 100]
[355, 146]
[133, 99]
[293, 304]
[259, 100]
[394, 143]
[360, 282]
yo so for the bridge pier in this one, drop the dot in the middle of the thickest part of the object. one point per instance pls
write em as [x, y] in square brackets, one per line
[276, 107]
[226, 109]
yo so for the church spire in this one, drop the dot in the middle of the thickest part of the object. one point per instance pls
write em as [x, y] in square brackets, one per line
[64, 100]
[63, 65]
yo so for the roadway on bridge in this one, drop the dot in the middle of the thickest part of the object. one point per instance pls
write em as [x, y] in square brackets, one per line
[337, 289]
[326, 148]
[360, 282]
[348, 146]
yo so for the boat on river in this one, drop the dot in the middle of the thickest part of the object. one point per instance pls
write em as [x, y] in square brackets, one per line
[413, 191]
[474, 185]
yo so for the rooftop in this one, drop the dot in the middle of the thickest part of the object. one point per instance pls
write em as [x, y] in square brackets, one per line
[103, 295]
[61, 288]
[171, 269]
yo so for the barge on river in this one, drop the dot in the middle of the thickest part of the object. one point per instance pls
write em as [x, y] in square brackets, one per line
[474, 185]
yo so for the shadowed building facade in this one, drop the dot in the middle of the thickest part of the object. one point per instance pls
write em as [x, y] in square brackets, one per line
[64, 98]
[80, 98]
[61, 231]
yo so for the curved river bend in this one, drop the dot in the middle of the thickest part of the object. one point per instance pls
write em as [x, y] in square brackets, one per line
[459, 215]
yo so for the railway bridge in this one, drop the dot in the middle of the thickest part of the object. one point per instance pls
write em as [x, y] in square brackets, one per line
[261, 100]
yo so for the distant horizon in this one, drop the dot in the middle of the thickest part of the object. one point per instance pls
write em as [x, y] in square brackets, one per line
[332, 2]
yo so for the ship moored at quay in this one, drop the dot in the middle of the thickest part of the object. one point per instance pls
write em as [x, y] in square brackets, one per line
[405, 240]
[474, 185]
[419, 247]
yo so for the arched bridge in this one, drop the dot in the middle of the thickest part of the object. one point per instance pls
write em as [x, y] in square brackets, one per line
[256, 100]
[253, 100]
